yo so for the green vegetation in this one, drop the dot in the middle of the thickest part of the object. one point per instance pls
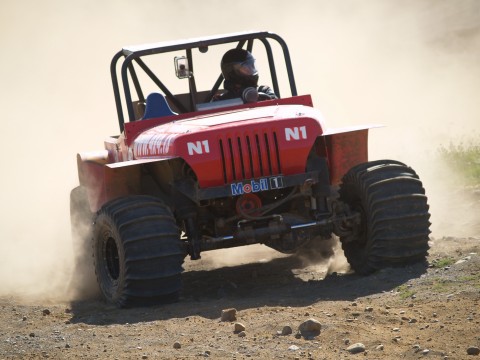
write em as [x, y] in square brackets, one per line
[470, 278]
[464, 159]
[473, 279]
[442, 286]
[441, 263]
[405, 292]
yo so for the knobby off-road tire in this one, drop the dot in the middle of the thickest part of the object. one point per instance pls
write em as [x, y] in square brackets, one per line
[138, 252]
[394, 212]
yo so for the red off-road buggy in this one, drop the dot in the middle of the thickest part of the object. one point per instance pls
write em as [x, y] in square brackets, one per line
[188, 175]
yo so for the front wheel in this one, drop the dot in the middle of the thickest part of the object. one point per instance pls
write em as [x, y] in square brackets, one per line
[394, 217]
[138, 252]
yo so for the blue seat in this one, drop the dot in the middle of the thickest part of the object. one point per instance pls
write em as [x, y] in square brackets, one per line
[156, 106]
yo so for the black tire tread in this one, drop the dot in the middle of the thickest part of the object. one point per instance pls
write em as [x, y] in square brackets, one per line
[153, 251]
[396, 215]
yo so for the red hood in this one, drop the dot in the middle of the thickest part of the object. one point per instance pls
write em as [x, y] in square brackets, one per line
[163, 140]
[240, 144]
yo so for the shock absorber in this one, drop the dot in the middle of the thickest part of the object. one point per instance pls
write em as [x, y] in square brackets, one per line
[193, 236]
[186, 212]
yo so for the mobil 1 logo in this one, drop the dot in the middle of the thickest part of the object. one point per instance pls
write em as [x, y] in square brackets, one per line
[252, 186]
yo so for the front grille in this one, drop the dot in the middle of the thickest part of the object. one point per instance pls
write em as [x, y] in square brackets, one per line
[249, 155]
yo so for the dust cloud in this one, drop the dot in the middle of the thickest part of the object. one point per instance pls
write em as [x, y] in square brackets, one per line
[413, 68]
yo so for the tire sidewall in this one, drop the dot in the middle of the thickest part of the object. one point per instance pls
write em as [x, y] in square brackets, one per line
[104, 230]
[357, 251]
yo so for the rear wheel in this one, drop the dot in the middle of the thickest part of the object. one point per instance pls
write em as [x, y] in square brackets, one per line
[394, 225]
[138, 252]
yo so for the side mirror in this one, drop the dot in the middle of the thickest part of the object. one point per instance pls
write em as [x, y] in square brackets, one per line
[181, 67]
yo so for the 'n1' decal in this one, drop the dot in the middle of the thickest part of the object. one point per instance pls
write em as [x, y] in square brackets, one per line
[295, 133]
[198, 147]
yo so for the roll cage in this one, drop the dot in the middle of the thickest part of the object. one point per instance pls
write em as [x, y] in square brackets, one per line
[132, 61]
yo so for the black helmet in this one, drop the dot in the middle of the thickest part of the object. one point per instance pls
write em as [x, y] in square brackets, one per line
[238, 67]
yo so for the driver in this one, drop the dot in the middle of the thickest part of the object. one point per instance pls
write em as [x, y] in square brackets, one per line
[241, 78]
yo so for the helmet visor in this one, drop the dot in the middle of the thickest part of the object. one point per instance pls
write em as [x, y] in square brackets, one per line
[245, 68]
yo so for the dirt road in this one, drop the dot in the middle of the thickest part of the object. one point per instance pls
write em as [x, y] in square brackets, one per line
[409, 313]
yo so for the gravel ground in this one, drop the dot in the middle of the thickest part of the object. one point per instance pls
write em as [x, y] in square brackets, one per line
[273, 307]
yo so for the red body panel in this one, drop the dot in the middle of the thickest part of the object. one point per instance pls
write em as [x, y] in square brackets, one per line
[133, 129]
[222, 147]
[249, 143]
[346, 150]
[105, 182]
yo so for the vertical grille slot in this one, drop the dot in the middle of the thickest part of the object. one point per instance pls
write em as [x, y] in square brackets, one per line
[250, 156]
[232, 157]
[222, 153]
[242, 155]
[269, 158]
[277, 152]
[259, 149]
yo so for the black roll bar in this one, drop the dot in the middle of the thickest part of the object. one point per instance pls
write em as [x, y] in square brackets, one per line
[134, 53]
